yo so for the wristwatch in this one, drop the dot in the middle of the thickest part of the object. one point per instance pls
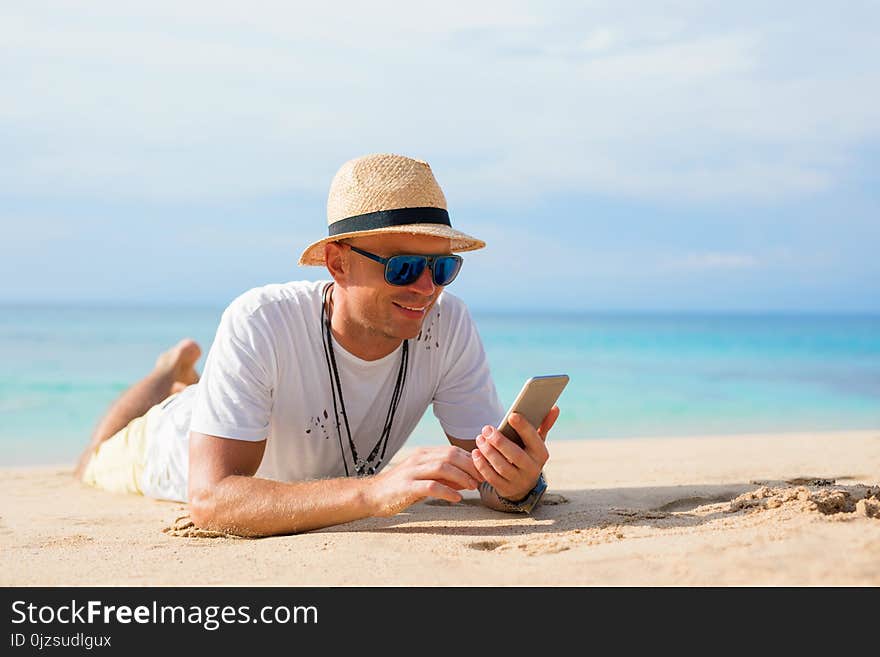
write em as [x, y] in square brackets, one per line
[530, 501]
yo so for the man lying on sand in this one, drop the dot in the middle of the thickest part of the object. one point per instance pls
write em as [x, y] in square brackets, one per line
[310, 388]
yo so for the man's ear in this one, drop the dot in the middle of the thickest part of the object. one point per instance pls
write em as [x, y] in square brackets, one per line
[336, 261]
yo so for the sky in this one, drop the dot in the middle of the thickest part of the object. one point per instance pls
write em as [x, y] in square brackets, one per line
[616, 156]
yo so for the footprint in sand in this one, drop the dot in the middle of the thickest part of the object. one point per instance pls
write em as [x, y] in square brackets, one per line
[691, 503]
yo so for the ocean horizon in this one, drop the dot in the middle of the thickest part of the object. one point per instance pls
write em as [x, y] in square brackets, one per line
[633, 373]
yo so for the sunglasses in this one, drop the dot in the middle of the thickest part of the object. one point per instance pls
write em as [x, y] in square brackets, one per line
[406, 269]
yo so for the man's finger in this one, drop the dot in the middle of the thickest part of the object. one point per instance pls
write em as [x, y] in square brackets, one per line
[534, 444]
[509, 449]
[443, 471]
[501, 465]
[488, 472]
[462, 459]
[450, 484]
[548, 422]
[430, 488]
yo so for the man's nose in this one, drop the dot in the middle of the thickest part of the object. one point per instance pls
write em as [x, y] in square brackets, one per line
[424, 284]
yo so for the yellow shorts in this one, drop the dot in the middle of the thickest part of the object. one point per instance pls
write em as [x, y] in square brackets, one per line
[118, 462]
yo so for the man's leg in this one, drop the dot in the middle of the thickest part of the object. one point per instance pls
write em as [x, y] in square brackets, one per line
[174, 370]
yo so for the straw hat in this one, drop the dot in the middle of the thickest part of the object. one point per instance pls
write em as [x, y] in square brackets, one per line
[386, 193]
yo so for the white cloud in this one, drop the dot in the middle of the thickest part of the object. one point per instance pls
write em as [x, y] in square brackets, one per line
[507, 100]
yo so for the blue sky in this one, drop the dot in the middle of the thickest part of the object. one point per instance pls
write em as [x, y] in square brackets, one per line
[615, 155]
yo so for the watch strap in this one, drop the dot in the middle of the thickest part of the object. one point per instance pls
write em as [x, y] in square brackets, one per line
[530, 501]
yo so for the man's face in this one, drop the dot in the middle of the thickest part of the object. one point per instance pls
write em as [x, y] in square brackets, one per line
[395, 312]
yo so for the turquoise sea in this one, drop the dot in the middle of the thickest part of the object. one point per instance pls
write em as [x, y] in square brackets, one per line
[631, 374]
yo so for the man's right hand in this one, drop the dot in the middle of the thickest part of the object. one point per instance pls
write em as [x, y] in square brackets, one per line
[438, 472]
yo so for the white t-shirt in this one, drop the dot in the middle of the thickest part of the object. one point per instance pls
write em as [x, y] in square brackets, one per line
[266, 378]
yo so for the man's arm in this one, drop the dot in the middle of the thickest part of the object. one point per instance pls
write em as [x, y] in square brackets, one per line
[225, 496]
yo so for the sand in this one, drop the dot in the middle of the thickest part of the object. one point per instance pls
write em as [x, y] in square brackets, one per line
[784, 509]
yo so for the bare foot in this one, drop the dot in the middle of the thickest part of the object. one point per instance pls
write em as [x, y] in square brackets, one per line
[176, 387]
[180, 360]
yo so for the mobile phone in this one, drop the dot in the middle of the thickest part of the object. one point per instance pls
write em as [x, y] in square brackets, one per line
[533, 402]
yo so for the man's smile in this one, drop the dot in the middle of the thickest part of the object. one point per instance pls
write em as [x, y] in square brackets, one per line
[412, 310]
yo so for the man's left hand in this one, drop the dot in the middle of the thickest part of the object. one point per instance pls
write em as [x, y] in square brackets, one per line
[513, 470]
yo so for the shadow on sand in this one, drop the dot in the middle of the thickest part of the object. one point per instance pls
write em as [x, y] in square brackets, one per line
[562, 511]
[591, 513]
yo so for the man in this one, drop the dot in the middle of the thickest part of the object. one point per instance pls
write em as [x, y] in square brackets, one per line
[311, 387]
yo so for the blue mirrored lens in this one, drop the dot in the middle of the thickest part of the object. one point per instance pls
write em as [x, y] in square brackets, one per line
[446, 269]
[403, 270]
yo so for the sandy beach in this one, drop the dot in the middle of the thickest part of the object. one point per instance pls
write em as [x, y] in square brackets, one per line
[758, 509]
